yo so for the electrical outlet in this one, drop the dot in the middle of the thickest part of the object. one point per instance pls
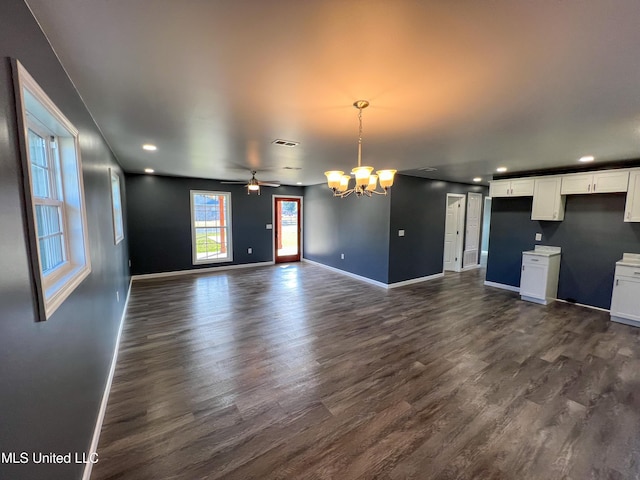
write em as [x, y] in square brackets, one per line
[269, 226]
[342, 256]
[129, 262]
[538, 237]
[249, 250]
[117, 296]
[401, 233]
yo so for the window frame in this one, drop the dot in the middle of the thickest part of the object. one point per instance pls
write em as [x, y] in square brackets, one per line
[53, 165]
[116, 207]
[228, 227]
[44, 118]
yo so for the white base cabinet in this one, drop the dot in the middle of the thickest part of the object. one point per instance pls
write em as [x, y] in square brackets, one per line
[625, 300]
[539, 274]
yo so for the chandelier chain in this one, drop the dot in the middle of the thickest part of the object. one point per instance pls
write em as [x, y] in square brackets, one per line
[360, 137]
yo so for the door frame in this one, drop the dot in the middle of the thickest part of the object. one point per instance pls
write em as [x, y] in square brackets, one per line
[273, 223]
[466, 231]
[461, 224]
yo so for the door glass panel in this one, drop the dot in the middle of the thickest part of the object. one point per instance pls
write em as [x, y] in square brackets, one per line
[288, 239]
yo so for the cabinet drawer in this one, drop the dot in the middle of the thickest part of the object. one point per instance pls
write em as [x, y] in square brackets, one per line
[535, 260]
[624, 271]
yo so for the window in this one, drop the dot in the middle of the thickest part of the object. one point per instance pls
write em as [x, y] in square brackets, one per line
[116, 207]
[54, 196]
[211, 227]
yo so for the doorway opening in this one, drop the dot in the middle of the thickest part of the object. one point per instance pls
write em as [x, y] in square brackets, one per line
[453, 232]
[471, 256]
[288, 228]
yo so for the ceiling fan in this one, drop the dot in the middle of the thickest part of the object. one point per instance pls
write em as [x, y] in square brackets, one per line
[253, 185]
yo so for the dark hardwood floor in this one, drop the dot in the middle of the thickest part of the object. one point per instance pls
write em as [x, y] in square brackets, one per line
[295, 372]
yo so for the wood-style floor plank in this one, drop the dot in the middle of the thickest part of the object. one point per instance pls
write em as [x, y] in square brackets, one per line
[295, 372]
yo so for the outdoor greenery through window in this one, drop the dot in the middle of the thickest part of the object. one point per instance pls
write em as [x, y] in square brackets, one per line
[211, 226]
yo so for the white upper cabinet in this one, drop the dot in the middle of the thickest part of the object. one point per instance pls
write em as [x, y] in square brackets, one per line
[517, 187]
[548, 202]
[632, 209]
[597, 182]
[574, 184]
[610, 182]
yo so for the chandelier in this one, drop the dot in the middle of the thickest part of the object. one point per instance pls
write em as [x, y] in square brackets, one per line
[366, 183]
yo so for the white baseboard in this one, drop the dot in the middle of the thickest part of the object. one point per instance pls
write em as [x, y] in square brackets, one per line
[416, 280]
[86, 475]
[626, 321]
[199, 270]
[470, 267]
[503, 286]
[583, 305]
[348, 274]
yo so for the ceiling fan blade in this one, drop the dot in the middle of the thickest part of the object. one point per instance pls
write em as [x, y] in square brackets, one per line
[268, 184]
[234, 183]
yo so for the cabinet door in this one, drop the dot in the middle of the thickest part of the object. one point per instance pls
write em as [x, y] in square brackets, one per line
[632, 209]
[500, 188]
[548, 203]
[522, 187]
[533, 281]
[574, 184]
[610, 182]
[625, 301]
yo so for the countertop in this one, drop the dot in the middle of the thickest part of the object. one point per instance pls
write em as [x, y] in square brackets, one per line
[544, 251]
[629, 260]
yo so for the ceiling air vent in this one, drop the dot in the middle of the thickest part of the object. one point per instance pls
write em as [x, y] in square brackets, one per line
[291, 168]
[285, 143]
[427, 169]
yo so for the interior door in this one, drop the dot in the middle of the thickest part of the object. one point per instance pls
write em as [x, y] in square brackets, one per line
[453, 232]
[287, 229]
[472, 236]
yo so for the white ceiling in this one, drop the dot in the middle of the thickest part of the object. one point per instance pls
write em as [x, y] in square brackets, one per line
[462, 86]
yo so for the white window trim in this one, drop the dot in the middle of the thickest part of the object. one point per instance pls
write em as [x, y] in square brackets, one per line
[113, 175]
[229, 222]
[50, 292]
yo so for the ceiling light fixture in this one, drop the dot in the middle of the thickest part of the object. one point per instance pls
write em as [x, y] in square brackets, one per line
[298, 183]
[586, 158]
[148, 147]
[501, 169]
[477, 179]
[366, 183]
[149, 170]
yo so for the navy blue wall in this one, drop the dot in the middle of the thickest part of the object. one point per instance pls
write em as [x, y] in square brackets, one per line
[53, 373]
[159, 220]
[357, 227]
[418, 206]
[593, 236]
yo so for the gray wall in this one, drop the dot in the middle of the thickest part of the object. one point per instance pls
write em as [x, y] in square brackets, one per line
[357, 227]
[53, 373]
[159, 221]
[418, 206]
[366, 229]
[593, 236]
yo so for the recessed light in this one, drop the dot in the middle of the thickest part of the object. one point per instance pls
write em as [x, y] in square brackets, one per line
[477, 179]
[298, 183]
[149, 147]
[501, 169]
[586, 158]
[149, 170]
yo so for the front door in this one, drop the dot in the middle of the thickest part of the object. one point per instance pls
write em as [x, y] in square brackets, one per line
[287, 229]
